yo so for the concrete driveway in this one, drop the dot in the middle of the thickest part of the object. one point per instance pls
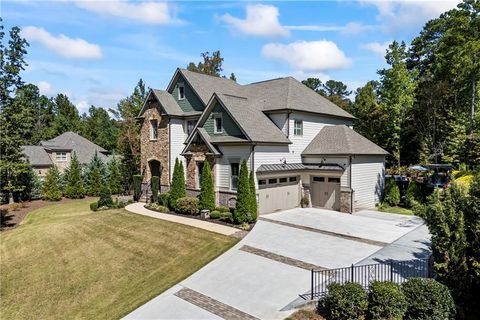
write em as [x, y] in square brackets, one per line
[262, 276]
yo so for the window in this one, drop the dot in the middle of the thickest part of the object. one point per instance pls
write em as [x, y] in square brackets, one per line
[272, 181]
[293, 179]
[319, 179]
[262, 182]
[336, 180]
[181, 91]
[153, 129]
[282, 180]
[190, 125]
[234, 171]
[298, 128]
[218, 123]
[61, 156]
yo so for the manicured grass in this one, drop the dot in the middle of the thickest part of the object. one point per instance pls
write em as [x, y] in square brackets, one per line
[66, 262]
[397, 210]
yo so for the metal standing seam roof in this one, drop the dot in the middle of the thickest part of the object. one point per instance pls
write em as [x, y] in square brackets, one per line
[341, 140]
[278, 167]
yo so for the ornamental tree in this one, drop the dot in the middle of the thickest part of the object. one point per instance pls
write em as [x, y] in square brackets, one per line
[74, 188]
[243, 204]
[177, 188]
[253, 197]
[207, 193]
[51, 189]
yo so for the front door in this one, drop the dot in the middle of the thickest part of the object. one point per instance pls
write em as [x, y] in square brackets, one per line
[325, 192]
[154, 166]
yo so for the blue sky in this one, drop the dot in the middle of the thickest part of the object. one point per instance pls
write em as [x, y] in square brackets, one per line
[95, 51]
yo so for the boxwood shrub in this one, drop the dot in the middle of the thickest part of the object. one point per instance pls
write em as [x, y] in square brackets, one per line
[344, 302]
[94, 206]
[158, 207]
[163, 199]
[215, 214]
[386, 301]
[222, 209]
[226, 216]
[187, 205]
[427, 299]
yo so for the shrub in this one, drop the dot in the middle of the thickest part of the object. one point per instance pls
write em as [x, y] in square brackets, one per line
[51, 190]
[163, 199]
[253, 197]
[3, 215]
[105, 198]
[157, 207]
[155, 184]
[392, 193]
[94, 206]
[207, 193]
[222, 209]
[413, 194]
[305, 202]
[386, 301]
[137, 187]
[344, 302]
[226, 216]
[215, 214]
[95, 176]
[242, 206]
[177, 188]
[427, 299]
[187, 205]
[114, 178]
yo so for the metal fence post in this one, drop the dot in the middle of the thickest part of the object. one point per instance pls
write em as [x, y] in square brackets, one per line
[352, 273]
[391, 271]
[312, 287]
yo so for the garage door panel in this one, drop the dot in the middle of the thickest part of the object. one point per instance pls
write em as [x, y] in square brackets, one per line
[279, 197]
[325, 194]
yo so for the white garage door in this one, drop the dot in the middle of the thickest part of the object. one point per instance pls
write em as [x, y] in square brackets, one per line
[325, 192]
[278, 193]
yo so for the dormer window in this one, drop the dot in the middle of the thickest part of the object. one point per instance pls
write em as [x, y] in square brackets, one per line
[61, 156]
[181, 91]
[218, 123]
[153, 129]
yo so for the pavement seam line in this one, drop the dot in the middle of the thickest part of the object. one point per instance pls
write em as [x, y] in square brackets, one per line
[329, 233]
[282, 259]
[211, 305]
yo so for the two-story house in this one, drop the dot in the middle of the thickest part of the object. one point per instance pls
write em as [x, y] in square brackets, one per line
[298, 143]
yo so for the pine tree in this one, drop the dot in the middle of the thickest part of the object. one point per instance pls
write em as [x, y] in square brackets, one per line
[253, 197]
[105, 197]
[177, 188]
[392, 193]
[207, 193]
[243, 204]
[114, 179]
[74, 188]
[95, 176]
[51, 190]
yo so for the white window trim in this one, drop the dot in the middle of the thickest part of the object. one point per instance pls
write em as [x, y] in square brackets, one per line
[181, 84]
[215, 117]
[193, 127]
[61, 159]
[231, 174]
[294, 127]
[152, 138]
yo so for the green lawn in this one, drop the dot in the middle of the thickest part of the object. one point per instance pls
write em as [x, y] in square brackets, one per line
[397, 210]
[67, 262]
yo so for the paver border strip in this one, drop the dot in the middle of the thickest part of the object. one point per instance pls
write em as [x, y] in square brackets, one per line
[329, 233]
[211, 305]
[281, 259]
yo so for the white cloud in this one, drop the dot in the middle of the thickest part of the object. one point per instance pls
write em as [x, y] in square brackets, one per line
[82, 106]
[377, 47]
[146, 12]
[411, 14]
[67, 47]
[45, 88]
[351, 28]
[317, 56]
[260, 20]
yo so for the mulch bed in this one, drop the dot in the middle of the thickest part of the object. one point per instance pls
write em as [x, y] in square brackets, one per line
[18, 211]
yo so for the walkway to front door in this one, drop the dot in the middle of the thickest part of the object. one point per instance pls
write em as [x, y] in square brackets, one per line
[265, 272]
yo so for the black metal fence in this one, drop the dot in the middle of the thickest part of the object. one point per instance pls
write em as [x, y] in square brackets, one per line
[393, 271]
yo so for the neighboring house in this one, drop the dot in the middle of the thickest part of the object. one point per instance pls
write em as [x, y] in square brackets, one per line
[59, 150]
[298, 143]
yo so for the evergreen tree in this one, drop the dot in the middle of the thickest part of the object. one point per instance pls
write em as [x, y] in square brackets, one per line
[114, 178]
[413, 194]
[74, 188]
[233, 77]
[105, 197]
[243, 205]
[207, 193]
[392, 193]
[99, 128]
[177, 187]
[66, 116]
[51, 189]
[253, 197]
[95, 176]
[211, 64]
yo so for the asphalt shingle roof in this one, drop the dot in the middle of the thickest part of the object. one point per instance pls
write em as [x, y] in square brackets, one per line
[37, 155]
[84, 148]
[168, 102]
[341, 140]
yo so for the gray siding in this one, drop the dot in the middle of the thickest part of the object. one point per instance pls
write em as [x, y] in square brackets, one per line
[191, 101]
[368, 174]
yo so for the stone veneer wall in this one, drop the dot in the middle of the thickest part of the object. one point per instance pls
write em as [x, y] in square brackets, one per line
[197, 154]
[346, 198]
[154, 150]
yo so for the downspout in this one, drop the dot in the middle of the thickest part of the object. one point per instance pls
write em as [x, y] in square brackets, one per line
[169, 151]
[288, 124]
[350, 183]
